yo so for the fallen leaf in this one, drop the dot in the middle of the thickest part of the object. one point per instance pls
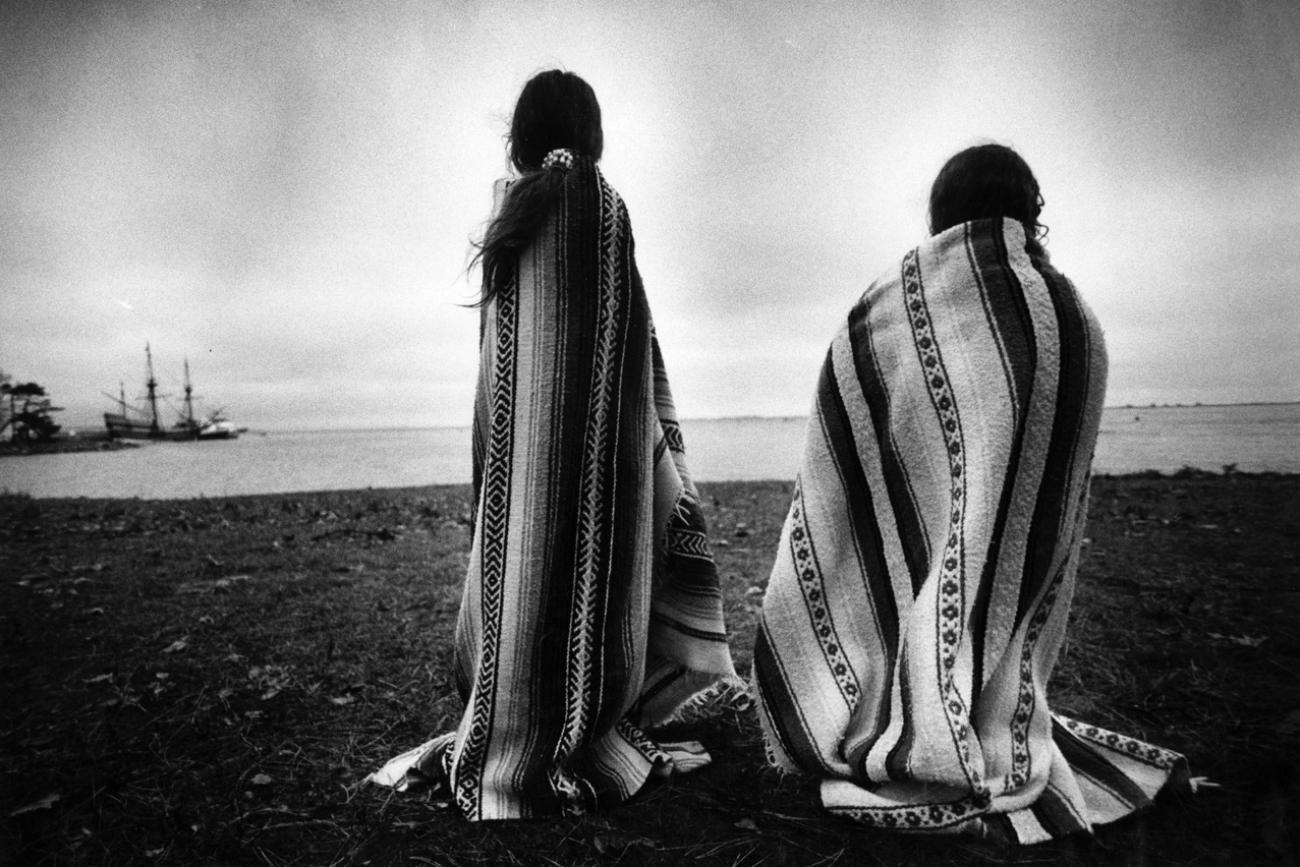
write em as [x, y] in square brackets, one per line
[99, 678]
[343, 699]
[177, 646]
[1241, 640]
[746, 825]
[42, 804]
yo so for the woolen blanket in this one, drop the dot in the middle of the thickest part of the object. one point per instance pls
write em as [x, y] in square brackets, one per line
[920, 594]
[591, 607]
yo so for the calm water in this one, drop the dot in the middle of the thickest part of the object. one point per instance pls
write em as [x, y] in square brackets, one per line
[1254, 438]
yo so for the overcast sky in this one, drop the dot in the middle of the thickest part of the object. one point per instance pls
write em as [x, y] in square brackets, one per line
[284, 192]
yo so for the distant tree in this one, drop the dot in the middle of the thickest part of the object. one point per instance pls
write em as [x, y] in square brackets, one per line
[29, 412]
[6, 400]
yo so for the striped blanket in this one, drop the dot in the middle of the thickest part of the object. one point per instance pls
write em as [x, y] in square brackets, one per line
[591, 609]
[920, 593]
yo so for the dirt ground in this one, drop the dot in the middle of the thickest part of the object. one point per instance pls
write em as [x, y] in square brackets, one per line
[206, 681]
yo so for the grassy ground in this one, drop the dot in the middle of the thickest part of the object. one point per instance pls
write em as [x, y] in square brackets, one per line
[205, 681]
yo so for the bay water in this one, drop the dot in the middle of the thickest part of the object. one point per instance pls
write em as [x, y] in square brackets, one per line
[1253, 438]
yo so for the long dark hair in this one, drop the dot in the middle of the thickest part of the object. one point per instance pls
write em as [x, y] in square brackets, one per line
[989, 180]
[556, 109]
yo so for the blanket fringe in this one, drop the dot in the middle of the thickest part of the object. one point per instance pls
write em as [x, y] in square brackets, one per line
[730, 695]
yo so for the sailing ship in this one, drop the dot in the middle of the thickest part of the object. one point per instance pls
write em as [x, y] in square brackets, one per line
[133, 423]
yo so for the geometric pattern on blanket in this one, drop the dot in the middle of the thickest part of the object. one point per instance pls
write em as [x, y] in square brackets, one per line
[919, 598]
[591, 608]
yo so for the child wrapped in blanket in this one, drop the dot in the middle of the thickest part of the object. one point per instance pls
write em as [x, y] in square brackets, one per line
[921, 590]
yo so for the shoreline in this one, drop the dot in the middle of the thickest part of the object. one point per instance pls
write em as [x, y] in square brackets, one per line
[69, 446]
[1185, 474]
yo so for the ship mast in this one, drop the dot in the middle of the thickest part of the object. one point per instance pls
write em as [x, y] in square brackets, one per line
[152, 385]
[189, 402]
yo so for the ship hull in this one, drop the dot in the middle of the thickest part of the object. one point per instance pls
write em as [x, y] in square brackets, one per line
[121, 427]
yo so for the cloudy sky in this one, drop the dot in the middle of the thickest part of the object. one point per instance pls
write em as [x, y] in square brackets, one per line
[284, 191]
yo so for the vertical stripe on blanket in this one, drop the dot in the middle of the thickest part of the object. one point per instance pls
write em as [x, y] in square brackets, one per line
[920, 592]
[591, 610]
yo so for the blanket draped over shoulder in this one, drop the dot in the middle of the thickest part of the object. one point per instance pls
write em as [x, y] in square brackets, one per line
[926, 566]
[591, 609]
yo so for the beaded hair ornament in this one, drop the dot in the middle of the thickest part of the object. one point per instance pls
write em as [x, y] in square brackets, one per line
[560, 158]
